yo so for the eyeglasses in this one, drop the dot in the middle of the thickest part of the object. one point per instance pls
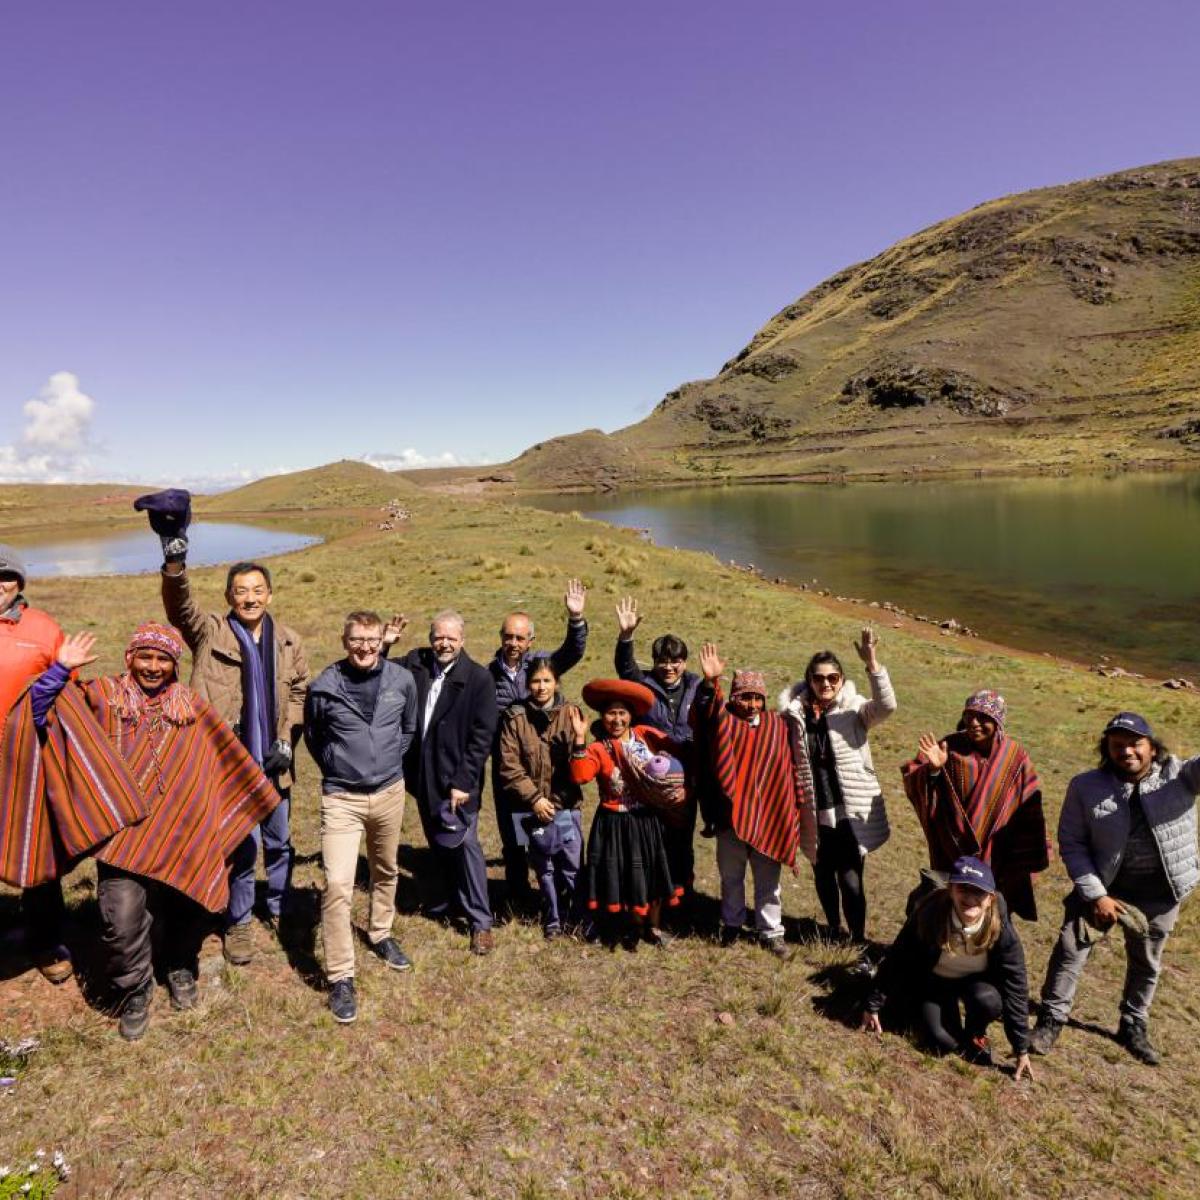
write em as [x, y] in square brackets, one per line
[829, 679]
[365, 643]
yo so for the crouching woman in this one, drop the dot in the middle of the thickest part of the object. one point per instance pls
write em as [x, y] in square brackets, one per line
[957, 966]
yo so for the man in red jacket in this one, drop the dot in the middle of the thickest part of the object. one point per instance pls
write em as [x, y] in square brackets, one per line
[29, 642]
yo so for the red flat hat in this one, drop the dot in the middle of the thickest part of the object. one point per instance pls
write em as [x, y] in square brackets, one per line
[601, 694]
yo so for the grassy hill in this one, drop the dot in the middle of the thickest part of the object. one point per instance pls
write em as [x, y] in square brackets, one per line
[344, 484]
[1056, 330]
[564, 1070]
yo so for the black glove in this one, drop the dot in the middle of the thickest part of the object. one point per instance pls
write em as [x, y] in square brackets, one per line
[170, 514]
[278, 759]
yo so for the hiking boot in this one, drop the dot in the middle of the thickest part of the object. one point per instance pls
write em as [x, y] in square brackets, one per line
[343, 1003]
[978, 1051]
[775, 946]
[1044, 1034]
[239, 944]
[483, 941]
[389, 950]
[55, 964]
[183, 989]
[1133, 1036]
[135, 1012]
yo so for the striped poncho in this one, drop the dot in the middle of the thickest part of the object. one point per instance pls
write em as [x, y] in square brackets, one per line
[174, 762]
[989, 807]
[754, 768]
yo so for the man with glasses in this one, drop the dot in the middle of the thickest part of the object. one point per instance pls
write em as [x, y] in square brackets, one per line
[674, 688]
[253, 671]
[360, 716]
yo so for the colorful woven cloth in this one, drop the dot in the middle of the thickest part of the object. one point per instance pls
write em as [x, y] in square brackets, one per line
[754, 768]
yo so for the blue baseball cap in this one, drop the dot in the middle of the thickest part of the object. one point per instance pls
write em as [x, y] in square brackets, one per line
[1130, 722]
[974, 872]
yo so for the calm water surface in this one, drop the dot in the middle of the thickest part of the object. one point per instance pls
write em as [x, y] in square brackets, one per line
[133, 551]
[1081, 567]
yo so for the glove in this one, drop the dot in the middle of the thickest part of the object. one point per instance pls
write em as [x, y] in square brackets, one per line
[170, 513]
[278, 759]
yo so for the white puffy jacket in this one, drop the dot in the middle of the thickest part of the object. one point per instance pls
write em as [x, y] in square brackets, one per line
[849, 720]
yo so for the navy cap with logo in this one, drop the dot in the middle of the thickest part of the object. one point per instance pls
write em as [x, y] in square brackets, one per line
[1130, 722]
[974, 872]
[447, 827]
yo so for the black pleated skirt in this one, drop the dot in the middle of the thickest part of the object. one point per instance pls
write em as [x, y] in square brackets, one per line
[627, 866]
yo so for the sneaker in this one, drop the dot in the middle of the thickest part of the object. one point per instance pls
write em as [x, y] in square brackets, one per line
[483, 941]
[183, 989]
[978, 1051]
[1133, 1036]
[1044, 1034]
[389, 950]
[55, 964]
[135, 1013]
[343, 1003]
[729, 935]
[239, 944]
[775, 946]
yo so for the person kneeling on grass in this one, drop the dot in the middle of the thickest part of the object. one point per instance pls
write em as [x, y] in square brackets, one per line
[359, 718]
[958, 948]
[146, 745]
[758, 815]
[627, 870]
[534, 770]
[1127, 836]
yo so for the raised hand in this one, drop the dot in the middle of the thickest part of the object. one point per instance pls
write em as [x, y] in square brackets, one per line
[710, 662]
[579, 724]
[867, 649]
[77, 651]
[575, 598]
[932, 751]
[392, 630]
[628, 617]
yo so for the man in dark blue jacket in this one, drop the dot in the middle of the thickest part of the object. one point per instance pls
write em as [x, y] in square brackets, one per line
[456, 699]
[359, 718]
[510, 671]
[674, 688]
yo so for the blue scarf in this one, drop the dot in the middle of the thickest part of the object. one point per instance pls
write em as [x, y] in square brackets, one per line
[258, 687]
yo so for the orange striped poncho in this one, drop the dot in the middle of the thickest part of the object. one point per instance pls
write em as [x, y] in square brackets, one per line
[754, 769]
[201, 791]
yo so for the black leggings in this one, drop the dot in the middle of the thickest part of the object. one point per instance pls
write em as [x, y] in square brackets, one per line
[939, 1023]
[838, 874]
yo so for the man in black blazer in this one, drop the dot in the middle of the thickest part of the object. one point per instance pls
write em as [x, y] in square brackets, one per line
[444, 766]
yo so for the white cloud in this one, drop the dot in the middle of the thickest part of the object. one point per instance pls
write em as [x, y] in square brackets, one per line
[409, 459]
[59, 420]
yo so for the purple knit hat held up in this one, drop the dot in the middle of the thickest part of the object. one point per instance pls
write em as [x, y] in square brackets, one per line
[987, 703]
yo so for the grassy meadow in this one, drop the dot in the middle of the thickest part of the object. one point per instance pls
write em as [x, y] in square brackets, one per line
[568, 1070]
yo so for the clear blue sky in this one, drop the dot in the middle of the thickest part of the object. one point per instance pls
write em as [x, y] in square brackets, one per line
[263, 236]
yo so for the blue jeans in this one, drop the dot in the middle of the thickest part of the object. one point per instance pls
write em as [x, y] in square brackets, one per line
[555, 853]
[274, 838]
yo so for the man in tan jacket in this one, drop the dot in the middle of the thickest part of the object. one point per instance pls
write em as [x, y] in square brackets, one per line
[253, 671]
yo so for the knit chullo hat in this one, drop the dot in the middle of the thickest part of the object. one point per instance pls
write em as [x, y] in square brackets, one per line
[152, 635]
[749, 683]
[987, 703]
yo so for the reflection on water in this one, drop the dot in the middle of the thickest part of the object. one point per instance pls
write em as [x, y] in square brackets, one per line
[130, 552]
[1082, 567]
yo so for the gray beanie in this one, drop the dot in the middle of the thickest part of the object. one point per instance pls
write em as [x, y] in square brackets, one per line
[11, 563]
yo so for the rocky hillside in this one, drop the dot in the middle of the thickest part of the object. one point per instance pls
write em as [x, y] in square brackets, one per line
[1055, 330]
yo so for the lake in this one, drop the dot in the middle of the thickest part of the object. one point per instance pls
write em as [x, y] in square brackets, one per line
[1080, 567]
[132, 551]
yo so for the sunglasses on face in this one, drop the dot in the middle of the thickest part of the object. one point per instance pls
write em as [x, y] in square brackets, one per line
[829, 679]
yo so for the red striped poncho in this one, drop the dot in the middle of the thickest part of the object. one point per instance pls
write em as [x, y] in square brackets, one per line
[203, 790]
[755, 770]
[987, 807]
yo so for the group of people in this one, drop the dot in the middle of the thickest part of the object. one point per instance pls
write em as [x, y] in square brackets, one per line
[177, 790]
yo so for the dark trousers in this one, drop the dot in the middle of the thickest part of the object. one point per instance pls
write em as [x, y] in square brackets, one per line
[678, 842]
[939, 1020]
[515, 854]
[44, 912]
[838, 875]
[462, 876]
[126, 904]
[274, 838]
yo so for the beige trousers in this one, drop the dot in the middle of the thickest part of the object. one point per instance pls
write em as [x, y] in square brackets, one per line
[345, 817]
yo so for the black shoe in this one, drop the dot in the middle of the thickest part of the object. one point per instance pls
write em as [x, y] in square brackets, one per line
[1133, 1036]
[389, 950]
[343, 1003]
[135, 1013]
[977, 1051]
[1044, 1034]
[551, 932]
[729, 935]
[183, 989]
